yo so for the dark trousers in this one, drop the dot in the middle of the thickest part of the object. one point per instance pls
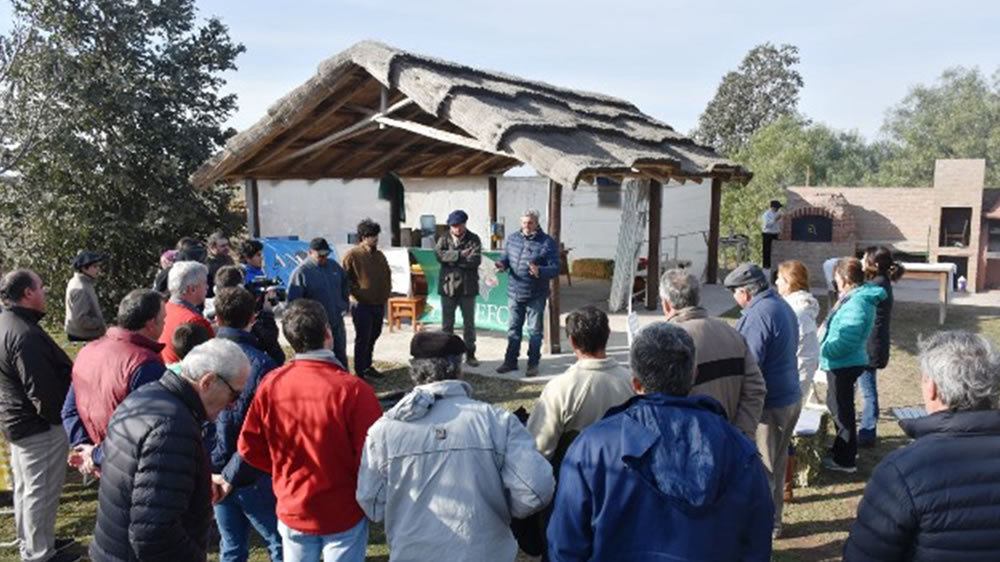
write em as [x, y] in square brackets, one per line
[840, 401]
[468, 306]
[367, 328]
[768, 239]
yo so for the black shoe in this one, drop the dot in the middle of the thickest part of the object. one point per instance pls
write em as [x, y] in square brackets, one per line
[506, 368]
[372, 372]
[63, 544]
[471, 360]
[532, 371]
[866, 438]
[65, 557]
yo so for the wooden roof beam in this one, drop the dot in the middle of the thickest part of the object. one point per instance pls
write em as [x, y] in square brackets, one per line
[438, 134]
[395, 152]
[408, 170]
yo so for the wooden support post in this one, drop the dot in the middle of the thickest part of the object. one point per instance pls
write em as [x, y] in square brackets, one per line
[492, 205]
[653, 256]
[554, 230]
[712, 269]
[253, 207]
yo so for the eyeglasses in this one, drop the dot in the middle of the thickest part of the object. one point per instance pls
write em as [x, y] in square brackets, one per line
[233, 395]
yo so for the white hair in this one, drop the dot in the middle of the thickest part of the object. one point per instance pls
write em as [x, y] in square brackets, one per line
[184, 274]
[533, 213]
[219, 356]
[964, 368]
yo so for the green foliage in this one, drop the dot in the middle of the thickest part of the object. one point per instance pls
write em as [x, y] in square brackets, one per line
[763, 88]
[136, 109]
[958, 117]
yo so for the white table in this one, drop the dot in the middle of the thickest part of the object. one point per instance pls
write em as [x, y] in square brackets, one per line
[942, 272]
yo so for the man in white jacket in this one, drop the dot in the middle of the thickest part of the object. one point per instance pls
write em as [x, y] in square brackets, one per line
[447, 472]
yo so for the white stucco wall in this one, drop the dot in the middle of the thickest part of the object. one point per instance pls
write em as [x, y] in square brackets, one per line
[332, 208]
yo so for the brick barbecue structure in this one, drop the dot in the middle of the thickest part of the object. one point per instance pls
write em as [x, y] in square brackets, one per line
[956, 220]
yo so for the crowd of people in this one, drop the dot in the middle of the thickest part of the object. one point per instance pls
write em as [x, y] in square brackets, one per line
[189, 415]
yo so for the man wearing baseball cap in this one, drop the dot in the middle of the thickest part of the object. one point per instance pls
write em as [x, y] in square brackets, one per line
[84, 319]
[321, 279]
[445, 471]
[460, 252]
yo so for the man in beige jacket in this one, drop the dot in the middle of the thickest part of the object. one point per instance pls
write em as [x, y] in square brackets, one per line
[84, 319]
[725, 368]
[579, 397]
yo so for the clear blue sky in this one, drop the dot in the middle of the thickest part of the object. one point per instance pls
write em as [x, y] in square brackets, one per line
[858, 58]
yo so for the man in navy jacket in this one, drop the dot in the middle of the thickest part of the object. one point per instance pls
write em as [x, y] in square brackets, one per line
[664, 476]
[532, 259]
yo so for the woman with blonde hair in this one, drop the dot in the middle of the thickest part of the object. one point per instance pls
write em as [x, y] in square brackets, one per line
[793, 285]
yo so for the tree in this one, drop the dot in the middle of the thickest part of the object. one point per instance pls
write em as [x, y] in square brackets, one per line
[763, 88]
[959, 117]
[136, 110]
[791, 151]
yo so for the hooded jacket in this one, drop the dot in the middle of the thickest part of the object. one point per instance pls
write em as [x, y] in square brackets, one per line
[519, 252]
[806, 310]
[937, 498]
[447, 473]
[845, 339]
[662, 478]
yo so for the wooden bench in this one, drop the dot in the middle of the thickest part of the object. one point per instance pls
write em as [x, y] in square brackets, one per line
[405, 307]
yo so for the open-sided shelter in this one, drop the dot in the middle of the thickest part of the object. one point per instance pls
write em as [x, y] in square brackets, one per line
[374, 109]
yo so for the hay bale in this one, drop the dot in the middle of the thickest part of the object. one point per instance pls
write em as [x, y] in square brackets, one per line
[593, 268]
[809, 450]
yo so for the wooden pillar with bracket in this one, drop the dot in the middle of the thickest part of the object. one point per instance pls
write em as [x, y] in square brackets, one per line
[555, 231]
[492, 207]
[712, 269]
[653, 256]
[253, 207]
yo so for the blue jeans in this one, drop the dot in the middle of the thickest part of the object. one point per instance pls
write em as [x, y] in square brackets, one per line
[533, 312]
[348, 546]
[252, 505]
[339, 339]
[869, 400]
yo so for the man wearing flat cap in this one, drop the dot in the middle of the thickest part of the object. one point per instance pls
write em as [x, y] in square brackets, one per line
[460, 252]
[770, 229]
[447, 472]
[323, 280]
[84, 319]
[771, 330]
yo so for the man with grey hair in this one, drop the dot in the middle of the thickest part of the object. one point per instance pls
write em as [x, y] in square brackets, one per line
[771, 330]
[638, 471]
[937, 498]
[725, 369]
[155, 499]
[188, 285]
[447, 472]
[532, 259]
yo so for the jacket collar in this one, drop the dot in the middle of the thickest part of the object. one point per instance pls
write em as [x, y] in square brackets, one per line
[324, 355]
[134, 338]
[185, 304]
[419, 401]
[238, 336]
[538, 235]
[84, 278]
[685, 314]
[593, 364]
[761, 296]
[179, 386]
[660, 399]
[29, 314]
[954, 422]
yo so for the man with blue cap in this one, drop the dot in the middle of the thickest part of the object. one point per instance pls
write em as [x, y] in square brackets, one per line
[460, 253]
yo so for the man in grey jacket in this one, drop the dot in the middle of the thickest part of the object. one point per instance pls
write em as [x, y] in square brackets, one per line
[460, 252]
[447, 472]
[725, 368]
[84, 319]
[321, 279]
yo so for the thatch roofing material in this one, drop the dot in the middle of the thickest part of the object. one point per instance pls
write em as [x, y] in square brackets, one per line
[500, 120]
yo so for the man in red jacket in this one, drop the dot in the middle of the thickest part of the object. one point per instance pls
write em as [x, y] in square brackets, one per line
[188, 285]
[307, 427]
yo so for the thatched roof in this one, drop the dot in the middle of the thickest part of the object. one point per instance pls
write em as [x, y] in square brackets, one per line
[374, 109]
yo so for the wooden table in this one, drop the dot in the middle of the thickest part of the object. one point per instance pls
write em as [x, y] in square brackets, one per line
[942, 273]
[405, 307]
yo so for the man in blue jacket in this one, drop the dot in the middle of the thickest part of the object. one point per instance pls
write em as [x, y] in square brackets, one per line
[253, 505]
[771, 330]
[321, 279]
[532, 259]
[663, 476]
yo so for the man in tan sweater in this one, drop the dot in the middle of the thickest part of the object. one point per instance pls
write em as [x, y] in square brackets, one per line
[725, 368]
[579, 397]
[370, 281]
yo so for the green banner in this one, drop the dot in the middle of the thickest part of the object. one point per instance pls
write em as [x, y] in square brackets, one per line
[492, 312]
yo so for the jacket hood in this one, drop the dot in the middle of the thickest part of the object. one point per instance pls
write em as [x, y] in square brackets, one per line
[679, 449]
[871, 293]
[421, 399]
[803, 301]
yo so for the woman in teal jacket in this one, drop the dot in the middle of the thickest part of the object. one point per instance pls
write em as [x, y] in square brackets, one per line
[843, 354]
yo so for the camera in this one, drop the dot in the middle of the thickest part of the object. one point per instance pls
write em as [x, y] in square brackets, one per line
[260, 287]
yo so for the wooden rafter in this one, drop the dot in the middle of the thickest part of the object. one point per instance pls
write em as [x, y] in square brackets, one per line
[438, 134]
[399, 149]
[430, 161]
[340, 160]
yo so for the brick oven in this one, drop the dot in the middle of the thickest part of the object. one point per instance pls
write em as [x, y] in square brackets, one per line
[815, 230]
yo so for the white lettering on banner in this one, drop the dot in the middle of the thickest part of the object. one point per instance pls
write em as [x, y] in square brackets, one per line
[493, 314]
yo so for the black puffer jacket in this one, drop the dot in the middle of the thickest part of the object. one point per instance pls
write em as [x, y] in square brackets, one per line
[34, 375]
[938, 498]
[878, 342]
[155, 496]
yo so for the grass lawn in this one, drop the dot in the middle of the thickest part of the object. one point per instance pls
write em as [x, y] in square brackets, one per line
[816, 522]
